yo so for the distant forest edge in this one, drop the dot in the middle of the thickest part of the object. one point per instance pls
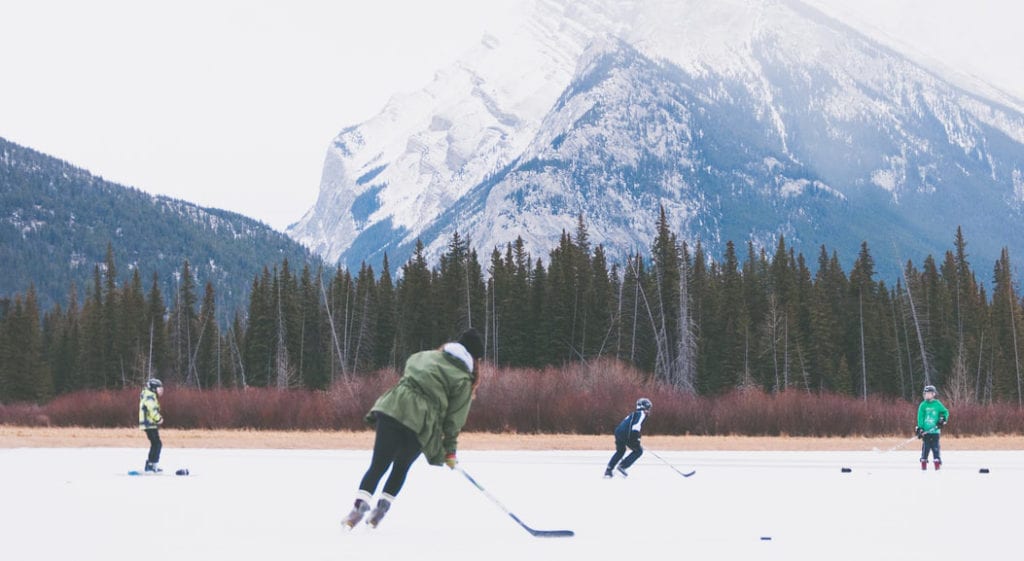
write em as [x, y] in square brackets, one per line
[58, 222]
[702, 327]
[577, 398]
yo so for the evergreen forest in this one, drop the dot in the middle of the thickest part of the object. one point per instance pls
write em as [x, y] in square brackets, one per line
[762, 318]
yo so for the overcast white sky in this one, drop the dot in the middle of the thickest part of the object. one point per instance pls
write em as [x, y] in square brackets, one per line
[232, 104]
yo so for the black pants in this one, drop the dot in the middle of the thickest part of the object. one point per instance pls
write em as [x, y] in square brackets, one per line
[154, 445]
[395, 446]
[930, 442]
[620, 450]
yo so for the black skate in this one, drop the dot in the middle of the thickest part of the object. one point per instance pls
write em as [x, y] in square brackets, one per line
[152, 467]
[622, 470]
[359, 509]
[377, 514]
[608, 473]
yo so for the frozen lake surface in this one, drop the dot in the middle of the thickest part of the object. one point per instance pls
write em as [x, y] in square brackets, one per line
[79, 504]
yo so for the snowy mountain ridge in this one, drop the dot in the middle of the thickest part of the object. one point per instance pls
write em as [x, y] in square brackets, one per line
[745, 119]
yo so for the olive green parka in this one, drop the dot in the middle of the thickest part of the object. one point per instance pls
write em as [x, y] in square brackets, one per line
[432, 399]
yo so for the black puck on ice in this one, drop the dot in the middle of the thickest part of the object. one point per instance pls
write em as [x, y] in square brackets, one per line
[181, 471]
[846, 470]
[766, 538]
[983, 470]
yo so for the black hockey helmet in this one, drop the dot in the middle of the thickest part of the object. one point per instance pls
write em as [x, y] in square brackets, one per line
[643, 403]
[930, 388]
[154, 383]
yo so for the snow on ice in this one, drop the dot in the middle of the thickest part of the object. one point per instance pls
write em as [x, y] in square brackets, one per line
[287, 504]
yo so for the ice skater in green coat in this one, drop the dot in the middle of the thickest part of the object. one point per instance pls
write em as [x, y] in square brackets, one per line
[423, 413]
[932, 415]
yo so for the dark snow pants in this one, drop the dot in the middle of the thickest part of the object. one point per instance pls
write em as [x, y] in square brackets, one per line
[154, 445]
[395, 446]
[930, 441]
[620, 450]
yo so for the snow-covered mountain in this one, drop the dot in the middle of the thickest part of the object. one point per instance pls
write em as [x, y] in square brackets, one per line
[745, 119]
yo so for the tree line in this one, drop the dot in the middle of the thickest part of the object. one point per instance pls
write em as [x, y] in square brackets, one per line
[753, 319]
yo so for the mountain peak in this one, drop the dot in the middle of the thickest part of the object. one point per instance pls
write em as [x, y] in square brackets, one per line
[745, 119]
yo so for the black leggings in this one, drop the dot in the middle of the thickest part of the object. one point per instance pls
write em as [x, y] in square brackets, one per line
[154, 445]
[396, 446]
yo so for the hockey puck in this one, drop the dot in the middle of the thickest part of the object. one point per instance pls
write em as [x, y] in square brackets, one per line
[846, 470]
[766, 538]
[182, 471]
[983, 470]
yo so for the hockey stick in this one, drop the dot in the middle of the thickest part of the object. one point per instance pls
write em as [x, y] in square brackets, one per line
[687, 474]
[534, 533]
[898, 446]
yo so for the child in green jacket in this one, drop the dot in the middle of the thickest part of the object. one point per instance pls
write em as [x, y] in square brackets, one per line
[931, 416]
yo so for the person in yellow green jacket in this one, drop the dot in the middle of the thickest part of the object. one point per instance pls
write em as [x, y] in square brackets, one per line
[423, 413]
[150, 420]
[932, 415]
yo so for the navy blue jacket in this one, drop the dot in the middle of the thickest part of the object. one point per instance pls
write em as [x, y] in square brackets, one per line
[630, 427]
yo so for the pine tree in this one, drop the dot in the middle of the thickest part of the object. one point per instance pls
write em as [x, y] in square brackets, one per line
[66, 346]
[918, 325]
[826, 321]
[26, 377]
[542, 345]
[387, 328]
[1008, 328]
[235, 342]
[364, 326]
[599, 305]
[477, 291]
[499, 284]
[735, 328]
[509, 332]
[337, 303]
[91, 357]
[562, 302]
[315, 342]
[208, 350]
[112, 365]
[863, 291]
[155, 325]
[133, 331]
[283, 372]
[184, 328]
[416, 307]
[259, 333]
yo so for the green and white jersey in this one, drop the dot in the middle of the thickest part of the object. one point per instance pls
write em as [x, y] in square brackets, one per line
[928, 415]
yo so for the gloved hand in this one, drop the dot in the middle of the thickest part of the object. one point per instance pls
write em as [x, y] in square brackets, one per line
[918, 432]
[451, 461]
[942, 421]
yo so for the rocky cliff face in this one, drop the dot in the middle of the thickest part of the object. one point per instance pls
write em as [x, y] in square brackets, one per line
[746, 120]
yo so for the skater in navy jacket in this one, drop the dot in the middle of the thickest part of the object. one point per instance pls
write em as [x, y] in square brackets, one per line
[627, 435]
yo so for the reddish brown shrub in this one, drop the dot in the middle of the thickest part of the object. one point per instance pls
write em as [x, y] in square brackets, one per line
[95, 408]
[579, 398]
[23, 415]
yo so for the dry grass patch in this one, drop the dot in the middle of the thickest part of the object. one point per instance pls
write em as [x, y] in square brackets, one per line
[74, 437]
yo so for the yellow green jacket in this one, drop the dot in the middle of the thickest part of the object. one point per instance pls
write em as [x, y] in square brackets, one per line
[149, 410]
